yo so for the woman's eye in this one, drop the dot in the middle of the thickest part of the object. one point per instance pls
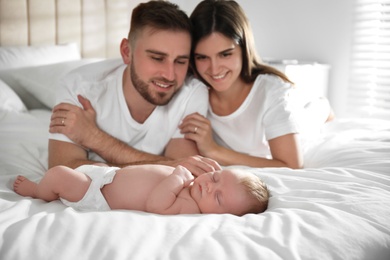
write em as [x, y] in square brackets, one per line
[226, 54]
[200, 57]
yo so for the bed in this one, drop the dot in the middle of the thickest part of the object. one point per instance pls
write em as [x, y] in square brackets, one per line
[337, 207]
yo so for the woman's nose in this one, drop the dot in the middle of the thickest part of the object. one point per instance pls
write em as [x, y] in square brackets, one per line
[214, 66]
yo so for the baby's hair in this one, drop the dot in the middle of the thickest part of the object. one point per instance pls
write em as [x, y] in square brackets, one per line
[258, 190]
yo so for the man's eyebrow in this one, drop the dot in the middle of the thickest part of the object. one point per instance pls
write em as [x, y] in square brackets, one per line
[156, 52]
[165, 54]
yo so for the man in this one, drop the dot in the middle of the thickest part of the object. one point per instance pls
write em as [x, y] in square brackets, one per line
[130, 112]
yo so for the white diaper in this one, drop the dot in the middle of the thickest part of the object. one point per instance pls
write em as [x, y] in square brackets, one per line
[93, 198]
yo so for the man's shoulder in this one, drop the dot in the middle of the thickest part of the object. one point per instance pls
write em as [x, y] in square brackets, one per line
[90, 81]
[96, 71]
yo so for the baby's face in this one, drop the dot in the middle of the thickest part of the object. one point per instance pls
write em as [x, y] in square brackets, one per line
[220, 192]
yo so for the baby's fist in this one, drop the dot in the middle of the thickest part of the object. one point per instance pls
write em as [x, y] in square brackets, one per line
[185, 174]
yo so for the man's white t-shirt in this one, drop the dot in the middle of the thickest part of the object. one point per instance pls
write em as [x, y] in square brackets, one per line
[269, 111]
[101, 83]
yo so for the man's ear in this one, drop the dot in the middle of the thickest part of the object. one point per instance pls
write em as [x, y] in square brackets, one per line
[125, 51]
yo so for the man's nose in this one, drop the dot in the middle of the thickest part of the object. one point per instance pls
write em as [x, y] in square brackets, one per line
[169, 72]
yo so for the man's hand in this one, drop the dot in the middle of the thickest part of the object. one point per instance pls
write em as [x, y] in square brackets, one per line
[197, 164]
[78, 124]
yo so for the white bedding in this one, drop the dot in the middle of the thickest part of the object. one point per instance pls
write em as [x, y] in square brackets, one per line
[336, 208]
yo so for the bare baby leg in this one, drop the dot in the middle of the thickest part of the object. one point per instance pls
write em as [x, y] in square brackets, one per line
[59, 181]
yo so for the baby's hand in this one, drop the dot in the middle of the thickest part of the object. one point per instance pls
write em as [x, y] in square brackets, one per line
[185, 174]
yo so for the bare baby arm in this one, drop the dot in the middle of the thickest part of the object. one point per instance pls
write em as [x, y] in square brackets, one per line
[170, 196]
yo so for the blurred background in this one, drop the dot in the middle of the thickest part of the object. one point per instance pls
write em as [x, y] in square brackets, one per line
[335, 48]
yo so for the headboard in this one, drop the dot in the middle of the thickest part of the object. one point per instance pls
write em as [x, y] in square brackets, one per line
[97, 26]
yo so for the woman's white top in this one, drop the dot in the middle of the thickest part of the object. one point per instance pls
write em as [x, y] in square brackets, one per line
[269, 111]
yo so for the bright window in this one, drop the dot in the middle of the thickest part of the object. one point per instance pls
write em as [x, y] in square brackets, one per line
[369, 84]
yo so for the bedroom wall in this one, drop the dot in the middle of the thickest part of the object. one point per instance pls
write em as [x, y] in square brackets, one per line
[307, 30]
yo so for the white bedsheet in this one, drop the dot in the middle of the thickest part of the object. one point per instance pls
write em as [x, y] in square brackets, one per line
[338, 207]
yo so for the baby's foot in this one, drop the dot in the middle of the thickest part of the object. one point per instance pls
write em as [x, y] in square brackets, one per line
[24, 186]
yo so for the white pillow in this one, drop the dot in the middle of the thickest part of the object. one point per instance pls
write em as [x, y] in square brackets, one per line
[9, 100]
[42, 81]
[24, 56]
[29, 100]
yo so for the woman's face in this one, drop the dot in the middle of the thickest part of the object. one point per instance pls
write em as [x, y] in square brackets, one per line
[218, 61]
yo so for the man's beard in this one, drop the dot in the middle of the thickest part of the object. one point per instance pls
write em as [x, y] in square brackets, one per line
[160, 99]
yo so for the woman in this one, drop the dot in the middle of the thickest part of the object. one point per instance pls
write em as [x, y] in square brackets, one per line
[252, 118]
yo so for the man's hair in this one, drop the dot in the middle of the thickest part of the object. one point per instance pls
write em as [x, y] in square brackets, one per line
[258, 190]
[159, 15]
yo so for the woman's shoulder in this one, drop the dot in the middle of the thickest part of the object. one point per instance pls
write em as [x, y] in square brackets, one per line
[270, 79]
[270, 83]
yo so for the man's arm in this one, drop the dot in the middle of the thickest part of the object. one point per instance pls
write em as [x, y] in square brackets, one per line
[73, 155]
[80, 126]
[117, 153]
[68, 154]
[163, 199]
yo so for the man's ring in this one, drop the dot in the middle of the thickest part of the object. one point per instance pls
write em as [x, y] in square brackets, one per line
[63, 121]
[196, 129]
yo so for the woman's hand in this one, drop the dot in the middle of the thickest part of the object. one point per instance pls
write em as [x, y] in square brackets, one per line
[197, 128]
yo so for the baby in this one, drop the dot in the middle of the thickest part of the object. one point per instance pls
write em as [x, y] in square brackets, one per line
[152, 188]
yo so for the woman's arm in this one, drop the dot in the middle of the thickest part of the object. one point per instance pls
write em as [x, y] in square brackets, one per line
[285, 150]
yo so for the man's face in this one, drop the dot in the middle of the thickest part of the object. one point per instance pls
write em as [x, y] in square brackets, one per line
[159, 64]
